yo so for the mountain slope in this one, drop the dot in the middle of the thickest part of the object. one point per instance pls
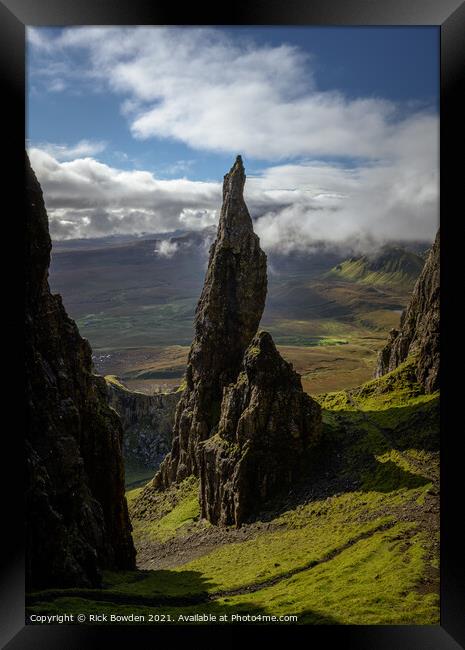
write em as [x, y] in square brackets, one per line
[418, 333]
[392, 266]
[357, 546]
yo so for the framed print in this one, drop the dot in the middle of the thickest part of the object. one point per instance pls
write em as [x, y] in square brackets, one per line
[238, 356]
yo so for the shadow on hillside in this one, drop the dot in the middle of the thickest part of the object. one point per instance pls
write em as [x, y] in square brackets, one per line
[345, 460]
[388, 477]
[176, 593]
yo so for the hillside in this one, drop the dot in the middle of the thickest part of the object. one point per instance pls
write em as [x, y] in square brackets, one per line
[364, 536]
[390, 266]
[418, 334]
[272, 503]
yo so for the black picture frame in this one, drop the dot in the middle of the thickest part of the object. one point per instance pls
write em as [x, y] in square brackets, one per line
[449, 16]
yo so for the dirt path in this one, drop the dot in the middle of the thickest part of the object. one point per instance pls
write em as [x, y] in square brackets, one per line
[202, 597]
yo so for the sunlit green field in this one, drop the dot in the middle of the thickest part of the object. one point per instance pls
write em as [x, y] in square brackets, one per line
[355, 543]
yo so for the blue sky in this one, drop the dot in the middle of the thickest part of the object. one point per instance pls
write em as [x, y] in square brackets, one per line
[328, 120]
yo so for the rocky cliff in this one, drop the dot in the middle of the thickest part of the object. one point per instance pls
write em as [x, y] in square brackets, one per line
[418, 334]
[76, 511]
[147, 422]
[226, 319]
[266, 429]
[244, 424]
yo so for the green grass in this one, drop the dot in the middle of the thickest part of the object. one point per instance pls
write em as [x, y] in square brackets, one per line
[310, 342]
[362, 554]
[168, 511]
[163, 529]
[268, 555]
[394, 267]
[168, 323]
[371, 575]
[114, 381]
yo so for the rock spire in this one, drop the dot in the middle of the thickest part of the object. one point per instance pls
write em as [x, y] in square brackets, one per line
[267, 427]
[244, 424]
[226, 319]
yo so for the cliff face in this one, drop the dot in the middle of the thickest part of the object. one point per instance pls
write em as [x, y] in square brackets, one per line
[419, 328]
[77, 519]
[267, 426]
[147, 423]
[227, 317]
[244, 424]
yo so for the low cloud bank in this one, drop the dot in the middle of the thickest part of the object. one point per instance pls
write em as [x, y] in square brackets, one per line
[293, 205]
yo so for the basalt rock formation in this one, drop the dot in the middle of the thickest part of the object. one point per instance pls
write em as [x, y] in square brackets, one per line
[267, 426]
[418, 334]
[244, 424]
[226, 319]
[147, 422]
[76, 512]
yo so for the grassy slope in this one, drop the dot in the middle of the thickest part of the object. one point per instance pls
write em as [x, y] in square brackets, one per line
[391, 267]
[356, 544]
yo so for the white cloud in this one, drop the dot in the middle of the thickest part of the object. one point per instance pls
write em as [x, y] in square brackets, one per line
[166, 248]
[293, 205]
[178, 167]
[195, 219]
[67, 152]
[86, 198]
[393, 199]
[200, 87]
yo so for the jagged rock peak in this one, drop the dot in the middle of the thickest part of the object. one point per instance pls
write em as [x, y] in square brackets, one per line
[267, 429]
[227, 317]
[418, 334]
[234, 180]
[76, 511]
[235, 221]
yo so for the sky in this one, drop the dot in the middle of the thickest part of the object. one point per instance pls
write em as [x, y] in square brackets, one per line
[131, 129]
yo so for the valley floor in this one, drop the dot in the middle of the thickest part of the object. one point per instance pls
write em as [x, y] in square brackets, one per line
[357, 542]
[325, 364]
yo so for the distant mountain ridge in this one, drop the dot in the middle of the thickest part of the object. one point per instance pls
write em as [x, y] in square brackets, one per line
[390, 265]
